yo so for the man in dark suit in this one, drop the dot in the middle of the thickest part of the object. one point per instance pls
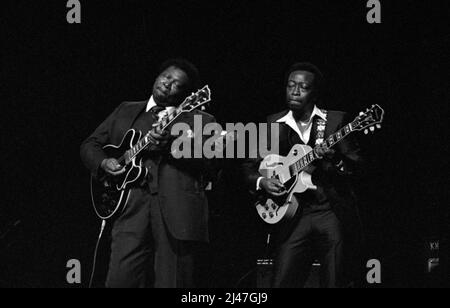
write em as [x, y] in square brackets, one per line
[156, 240]
[318, 229]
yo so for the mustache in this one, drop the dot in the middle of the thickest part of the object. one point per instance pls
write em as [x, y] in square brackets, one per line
[163, 89]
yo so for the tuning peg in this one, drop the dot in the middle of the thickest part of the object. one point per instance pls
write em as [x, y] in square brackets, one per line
[361, 113]
[372, 129]
[378, 126]
[366, 131]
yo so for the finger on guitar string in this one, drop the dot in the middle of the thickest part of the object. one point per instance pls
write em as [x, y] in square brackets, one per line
[111, 165]
[279, 193]
[158, 130]
[159, 135]
[117, 172]
[153, 140]
[273, 187]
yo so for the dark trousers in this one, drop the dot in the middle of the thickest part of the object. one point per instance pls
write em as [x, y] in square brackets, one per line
[315, 235]
[143, 252]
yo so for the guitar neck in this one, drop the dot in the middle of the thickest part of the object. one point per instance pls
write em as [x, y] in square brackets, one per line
[145, 141]
[191, 103]
[331, 141]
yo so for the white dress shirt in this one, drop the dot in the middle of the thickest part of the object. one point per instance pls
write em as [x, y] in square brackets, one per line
[303, 130]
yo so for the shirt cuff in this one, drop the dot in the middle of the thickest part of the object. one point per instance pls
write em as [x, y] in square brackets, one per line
[307, 180]
[257, 183]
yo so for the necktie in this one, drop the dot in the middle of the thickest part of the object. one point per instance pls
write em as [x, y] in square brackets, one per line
[157, 109]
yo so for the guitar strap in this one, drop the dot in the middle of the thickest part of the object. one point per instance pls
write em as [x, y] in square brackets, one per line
[320, 128]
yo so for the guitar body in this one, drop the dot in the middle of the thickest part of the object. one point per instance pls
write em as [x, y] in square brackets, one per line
[277, 209]
[110, 194]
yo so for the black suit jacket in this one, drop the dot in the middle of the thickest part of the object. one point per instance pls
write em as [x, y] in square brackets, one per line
[179, 182]
[335, 183]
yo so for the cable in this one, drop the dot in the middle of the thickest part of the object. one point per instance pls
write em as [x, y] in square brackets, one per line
[244, 277]
[268, 245]
[102, 228]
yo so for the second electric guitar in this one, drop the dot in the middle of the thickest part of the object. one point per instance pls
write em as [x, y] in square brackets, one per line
[289, 169]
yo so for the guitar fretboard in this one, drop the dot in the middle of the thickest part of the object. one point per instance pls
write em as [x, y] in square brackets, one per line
[193, 101]
[307, 159]
[145, 141]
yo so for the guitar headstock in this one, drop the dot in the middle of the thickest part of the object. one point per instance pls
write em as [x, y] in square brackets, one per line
[369, 120]
[196, 100]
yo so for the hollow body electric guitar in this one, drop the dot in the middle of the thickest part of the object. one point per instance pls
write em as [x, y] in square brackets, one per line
[289, 170]
[110, 193]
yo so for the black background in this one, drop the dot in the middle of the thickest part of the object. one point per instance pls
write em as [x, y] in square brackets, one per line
[61, 80]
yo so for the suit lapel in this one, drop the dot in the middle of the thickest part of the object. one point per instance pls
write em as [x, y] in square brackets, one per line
[288, 138]
[128, 116]
[136, 111]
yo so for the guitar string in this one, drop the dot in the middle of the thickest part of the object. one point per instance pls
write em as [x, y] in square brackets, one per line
[166, 124]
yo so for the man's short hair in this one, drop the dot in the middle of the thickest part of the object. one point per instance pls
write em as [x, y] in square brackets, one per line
[187, 67]
[308, 67]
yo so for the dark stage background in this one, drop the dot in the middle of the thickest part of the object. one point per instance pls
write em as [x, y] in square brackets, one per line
[60, 81]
